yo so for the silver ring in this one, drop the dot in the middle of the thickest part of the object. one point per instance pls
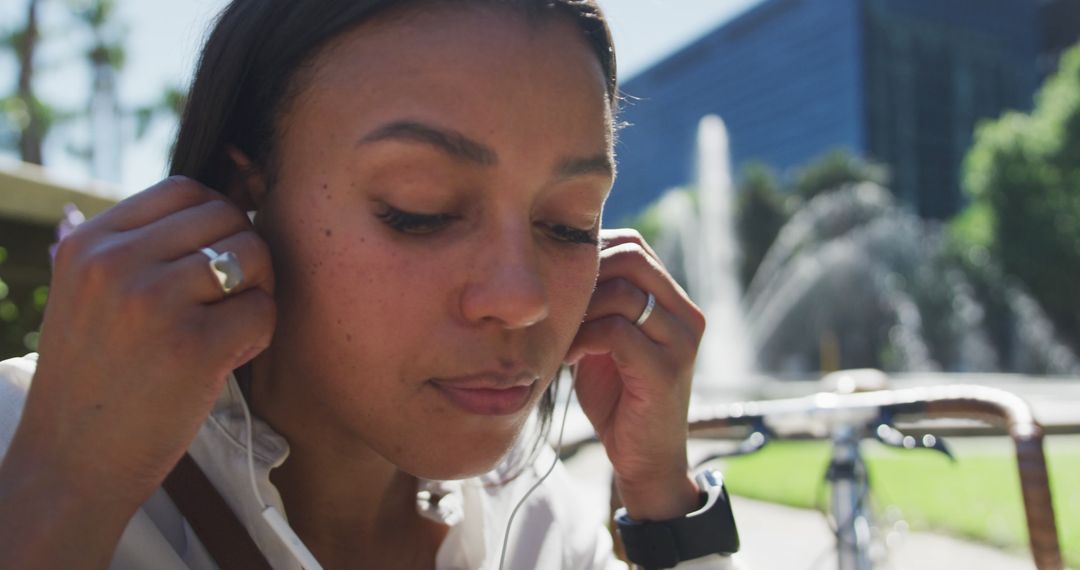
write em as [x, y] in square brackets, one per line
[226, 269]
[650, 304]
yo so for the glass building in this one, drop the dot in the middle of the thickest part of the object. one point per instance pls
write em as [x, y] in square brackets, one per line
[1060, 27]
[903, 82]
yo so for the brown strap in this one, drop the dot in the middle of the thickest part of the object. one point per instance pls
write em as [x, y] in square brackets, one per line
[227, 541]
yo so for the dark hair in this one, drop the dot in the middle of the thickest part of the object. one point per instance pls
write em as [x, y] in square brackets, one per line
[253, 61]
[249, 66]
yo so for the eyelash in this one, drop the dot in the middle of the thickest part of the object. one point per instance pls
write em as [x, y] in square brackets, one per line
[411, 223]
[424, 224]
[573, 235]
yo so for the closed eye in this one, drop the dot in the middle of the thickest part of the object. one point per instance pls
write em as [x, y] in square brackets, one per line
[414, 223]
[572, 235]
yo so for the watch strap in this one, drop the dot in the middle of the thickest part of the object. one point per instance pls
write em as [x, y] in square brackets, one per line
[708, 530]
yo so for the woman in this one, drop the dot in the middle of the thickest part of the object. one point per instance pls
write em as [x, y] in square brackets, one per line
[426, 180]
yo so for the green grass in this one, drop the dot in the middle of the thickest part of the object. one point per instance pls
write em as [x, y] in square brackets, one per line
[977, 497]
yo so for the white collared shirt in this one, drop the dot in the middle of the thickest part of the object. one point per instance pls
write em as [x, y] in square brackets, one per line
[549, 531]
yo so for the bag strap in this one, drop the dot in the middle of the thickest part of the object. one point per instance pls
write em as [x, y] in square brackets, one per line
[227, 541]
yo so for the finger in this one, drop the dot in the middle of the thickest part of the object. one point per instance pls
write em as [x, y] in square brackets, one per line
[618, 236]
[631, 262]
[198, 280]
[621, 297]
[238, 328]
[179, 233]
[636, 355]
[170, 195]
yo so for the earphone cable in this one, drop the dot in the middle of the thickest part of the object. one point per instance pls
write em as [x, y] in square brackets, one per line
[558, 450]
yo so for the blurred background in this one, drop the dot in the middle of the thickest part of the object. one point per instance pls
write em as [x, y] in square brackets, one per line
[889, 184]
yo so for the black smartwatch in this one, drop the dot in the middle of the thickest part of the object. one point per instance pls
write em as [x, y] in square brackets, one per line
[708, 530]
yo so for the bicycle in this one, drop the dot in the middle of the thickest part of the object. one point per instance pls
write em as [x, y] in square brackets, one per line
[846, 419]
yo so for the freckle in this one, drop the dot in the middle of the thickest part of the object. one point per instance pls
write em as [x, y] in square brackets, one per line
[363, 240]
[327, 232]
[324, 186]
[348, 337]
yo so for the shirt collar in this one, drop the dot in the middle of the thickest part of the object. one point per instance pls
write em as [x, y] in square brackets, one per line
[220, 449]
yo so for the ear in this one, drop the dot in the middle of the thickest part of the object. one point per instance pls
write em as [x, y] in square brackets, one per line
[247, 183]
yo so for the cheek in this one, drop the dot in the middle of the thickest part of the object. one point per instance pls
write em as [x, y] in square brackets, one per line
[380, 298]
[572, 287]
[340, 285]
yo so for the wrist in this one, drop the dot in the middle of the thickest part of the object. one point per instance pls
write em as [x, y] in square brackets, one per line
[659, 498]
[46, 521]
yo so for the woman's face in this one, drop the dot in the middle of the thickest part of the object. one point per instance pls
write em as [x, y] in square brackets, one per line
[433, 222]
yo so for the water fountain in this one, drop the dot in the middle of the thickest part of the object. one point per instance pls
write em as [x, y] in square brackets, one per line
[852, 271]
[699, 245]
[854, 264]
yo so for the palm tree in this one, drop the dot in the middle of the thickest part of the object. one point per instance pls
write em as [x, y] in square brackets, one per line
[24, 119]
[105, 57]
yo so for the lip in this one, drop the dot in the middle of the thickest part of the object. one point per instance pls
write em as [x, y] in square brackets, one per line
[488, 394]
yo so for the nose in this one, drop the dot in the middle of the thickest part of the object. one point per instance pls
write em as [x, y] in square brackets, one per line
[506, 285]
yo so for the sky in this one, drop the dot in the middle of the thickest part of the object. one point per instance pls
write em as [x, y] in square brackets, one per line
[164, 36]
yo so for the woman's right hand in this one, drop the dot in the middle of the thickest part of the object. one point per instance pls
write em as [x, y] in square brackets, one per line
[137, 341]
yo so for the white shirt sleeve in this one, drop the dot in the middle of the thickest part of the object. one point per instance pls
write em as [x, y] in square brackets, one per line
[15, 376]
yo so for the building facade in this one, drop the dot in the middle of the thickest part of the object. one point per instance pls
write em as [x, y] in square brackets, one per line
[1060, 29]
[903, 82]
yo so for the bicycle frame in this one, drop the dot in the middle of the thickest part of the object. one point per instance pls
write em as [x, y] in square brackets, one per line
[850, 487]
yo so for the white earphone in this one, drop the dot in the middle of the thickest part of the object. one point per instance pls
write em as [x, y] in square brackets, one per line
[271, 515]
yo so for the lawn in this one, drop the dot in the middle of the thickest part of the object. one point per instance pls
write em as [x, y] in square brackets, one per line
[977, 497]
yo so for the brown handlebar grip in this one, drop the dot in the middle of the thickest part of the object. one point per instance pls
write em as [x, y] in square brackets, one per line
[1035, 486]
[996, 407]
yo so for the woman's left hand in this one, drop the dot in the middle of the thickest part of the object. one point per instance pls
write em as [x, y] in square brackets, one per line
[633, 382]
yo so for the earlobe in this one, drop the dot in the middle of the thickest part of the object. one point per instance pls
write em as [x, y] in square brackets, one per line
[247, 184]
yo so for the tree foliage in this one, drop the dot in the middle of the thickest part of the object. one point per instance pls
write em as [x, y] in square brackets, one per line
[23, 113]
[761, 211]
[27, 119]
[835, 169]
[1023, 171]
[765, 203]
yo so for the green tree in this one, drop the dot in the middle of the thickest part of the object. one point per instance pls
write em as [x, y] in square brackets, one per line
[25, 119]
[1023, 172]
[760, 213]
[837, 168]
[105, 56]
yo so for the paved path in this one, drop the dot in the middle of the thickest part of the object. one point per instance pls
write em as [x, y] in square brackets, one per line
[784, 538]
[780, 537]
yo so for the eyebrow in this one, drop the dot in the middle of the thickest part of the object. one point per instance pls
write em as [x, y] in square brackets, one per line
[601, 164]
[451, 142]
[460, 146]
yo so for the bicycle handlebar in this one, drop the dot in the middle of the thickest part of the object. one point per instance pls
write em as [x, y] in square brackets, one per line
[990, 405]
